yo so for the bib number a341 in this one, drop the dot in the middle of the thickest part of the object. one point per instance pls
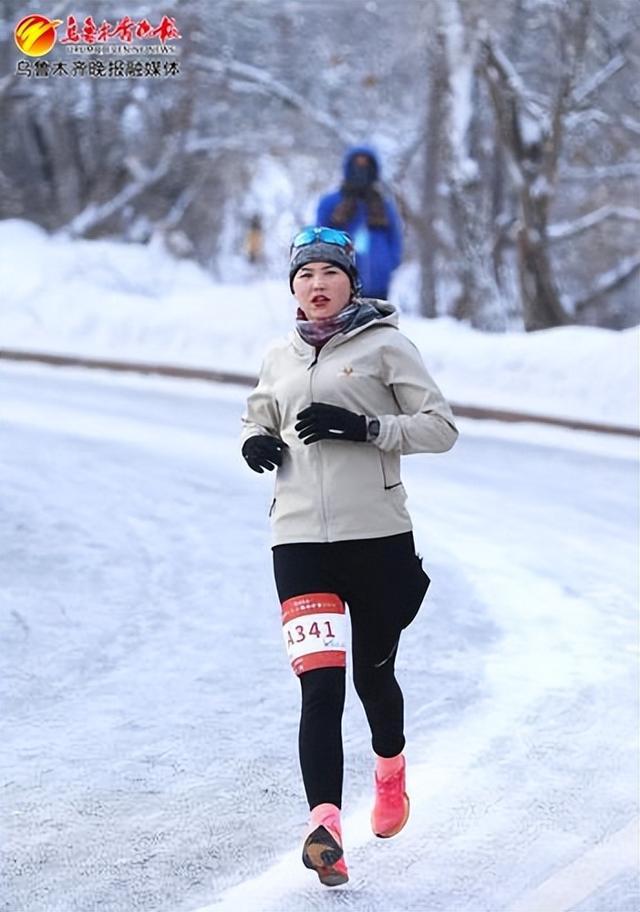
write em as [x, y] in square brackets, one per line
[314, 629]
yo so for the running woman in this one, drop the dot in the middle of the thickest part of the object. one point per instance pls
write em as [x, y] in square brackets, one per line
[338, 402]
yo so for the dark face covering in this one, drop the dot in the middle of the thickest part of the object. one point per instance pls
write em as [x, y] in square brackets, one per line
[361, 173]
[360, 186]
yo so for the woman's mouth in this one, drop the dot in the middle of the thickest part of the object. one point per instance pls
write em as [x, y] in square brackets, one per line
[320, 299]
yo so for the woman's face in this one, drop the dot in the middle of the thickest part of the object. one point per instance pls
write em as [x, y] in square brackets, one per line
[321, 289]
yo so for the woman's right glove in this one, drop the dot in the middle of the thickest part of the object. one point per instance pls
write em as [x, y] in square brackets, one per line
[263, 452]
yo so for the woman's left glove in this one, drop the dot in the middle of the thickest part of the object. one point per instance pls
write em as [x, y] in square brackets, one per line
[321, 421]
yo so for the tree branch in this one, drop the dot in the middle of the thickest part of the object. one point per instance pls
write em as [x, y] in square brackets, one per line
[598, 172]
[577, 226]
[95, 214]
[594, 115]
[574, 22]
[507, 95]
[264, 81]
[213, 144]
[582, 92]
[630, 124]
[507, 74]
[143, 178]
[609, 281]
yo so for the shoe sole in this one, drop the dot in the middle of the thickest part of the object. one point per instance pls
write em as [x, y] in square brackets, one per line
[401, 825]
[320, 853]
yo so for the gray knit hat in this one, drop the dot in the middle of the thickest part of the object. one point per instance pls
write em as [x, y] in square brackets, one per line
[321, 251]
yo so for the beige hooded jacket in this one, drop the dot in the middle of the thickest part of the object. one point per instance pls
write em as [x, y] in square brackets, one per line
[335, 490]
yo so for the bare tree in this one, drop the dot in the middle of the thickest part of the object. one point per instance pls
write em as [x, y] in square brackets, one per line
[433, 144]
[532, 134]
[479, 300]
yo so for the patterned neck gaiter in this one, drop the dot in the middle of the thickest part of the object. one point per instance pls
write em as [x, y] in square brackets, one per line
[317, 332]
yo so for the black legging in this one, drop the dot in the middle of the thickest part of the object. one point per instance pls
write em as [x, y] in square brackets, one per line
[382, 582]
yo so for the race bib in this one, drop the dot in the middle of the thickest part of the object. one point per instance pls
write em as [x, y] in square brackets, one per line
[315, 628]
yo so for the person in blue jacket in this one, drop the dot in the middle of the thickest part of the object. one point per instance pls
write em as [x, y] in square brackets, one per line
[359, 208]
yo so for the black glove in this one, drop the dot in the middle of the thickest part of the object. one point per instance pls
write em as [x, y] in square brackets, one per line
[329, 422]
[263, 452]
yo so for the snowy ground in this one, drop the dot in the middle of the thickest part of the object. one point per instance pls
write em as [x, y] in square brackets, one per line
[105, 299]
[147, 756]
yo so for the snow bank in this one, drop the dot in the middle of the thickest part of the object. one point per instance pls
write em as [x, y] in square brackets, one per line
[107, 299]
[572, 371]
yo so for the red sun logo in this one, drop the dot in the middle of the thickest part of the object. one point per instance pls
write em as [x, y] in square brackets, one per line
[36, 35]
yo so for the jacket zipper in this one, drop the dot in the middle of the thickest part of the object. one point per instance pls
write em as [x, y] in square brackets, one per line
[323, 509]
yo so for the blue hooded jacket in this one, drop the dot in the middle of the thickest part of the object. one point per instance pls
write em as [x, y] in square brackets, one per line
[378, 250]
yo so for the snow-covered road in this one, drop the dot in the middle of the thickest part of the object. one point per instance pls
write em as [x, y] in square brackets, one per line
[148, 721]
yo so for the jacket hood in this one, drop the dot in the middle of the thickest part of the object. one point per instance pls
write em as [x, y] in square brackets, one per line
[360, 150]
[375, 310]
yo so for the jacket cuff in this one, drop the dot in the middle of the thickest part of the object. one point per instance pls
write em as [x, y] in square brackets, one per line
[253, 430]
[387, 439]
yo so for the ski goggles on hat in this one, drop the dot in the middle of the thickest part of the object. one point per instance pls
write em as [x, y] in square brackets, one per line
[326, 235]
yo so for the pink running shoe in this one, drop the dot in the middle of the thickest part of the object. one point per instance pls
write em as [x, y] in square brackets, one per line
[391, 810]
[322, 851]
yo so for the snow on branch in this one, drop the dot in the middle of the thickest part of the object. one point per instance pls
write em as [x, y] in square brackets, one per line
[593, 83]
[632, 125]
[265, 82]
[499, 67]
[577, 226]
[598, 172]
[94, 214]
[609, 281]
[530, 132]
[143, 178]
[214, 144]
[503, 66]
[594, 115]
[590, 115]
